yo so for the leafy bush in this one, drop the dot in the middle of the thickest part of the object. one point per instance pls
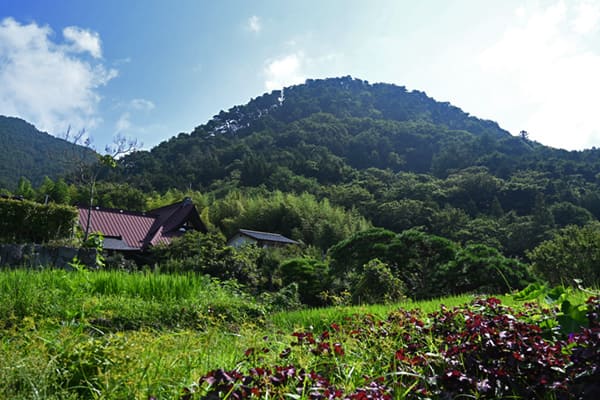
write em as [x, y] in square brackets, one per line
[573, 253]
[480, 268]
[376, 284]
[26, 221]
[209, 254]
[285, 299]
[309, 274]
[352, 253]
[417, 258]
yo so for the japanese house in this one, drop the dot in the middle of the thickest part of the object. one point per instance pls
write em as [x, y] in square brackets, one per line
[131, 231]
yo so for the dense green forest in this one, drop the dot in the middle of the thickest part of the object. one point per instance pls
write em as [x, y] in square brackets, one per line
[385, 188]
[328, 131]
[27, 152]
[399, 158]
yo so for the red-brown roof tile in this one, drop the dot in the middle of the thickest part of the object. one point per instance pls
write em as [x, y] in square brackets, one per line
[141, 230]
[131, 227]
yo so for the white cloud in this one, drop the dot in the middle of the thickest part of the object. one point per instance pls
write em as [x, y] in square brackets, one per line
[284, 71]
[587, 16]
[123, 123]
[550, 67]
[254, 24]
[47, 83]
[132, 111]
[83, 40]
[142, 105]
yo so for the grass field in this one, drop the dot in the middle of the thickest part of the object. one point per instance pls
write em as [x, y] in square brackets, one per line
[116, 335]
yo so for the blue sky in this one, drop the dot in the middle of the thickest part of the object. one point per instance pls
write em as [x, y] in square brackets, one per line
[151, 69]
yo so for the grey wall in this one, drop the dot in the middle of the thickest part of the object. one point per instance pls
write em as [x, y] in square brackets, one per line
[37, 256]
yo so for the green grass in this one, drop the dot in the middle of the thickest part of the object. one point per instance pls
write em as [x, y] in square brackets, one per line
[54, 363]
[111, 334]
[319, 319]
[115, 300]
[115, 335]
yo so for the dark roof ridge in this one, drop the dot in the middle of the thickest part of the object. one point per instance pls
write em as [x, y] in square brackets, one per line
[252, 230]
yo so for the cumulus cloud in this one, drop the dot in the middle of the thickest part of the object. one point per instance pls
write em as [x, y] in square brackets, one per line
[284, 71]
[49, 83]
[254, 24]
[83, 40]
[548, 57]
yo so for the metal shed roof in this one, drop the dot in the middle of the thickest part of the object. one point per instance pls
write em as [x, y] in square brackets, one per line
[267, 236]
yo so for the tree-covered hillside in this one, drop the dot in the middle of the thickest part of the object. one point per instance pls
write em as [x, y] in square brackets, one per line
[399, 158]
[27, 152]
[324, 129]
[328, 130]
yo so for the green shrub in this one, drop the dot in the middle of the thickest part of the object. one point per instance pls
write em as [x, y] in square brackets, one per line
[482, 269]
[209, 254]
[310, 275]
[573, 253]
[377, 284]
[26, 221]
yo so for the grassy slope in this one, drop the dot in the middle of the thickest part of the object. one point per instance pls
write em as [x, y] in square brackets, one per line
[123, 335]
[118, 335]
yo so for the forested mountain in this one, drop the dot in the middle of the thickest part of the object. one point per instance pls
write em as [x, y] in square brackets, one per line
[398, 157]
[324, 129]
[331, 129]
[392, 158]
[27, 152]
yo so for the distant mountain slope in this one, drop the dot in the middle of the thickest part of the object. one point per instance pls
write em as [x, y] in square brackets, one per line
[27, 152]
[328, 129]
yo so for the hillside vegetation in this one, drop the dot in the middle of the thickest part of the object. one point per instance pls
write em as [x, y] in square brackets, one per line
[115, 335]
[438, 257]
[29, 153]
[398, 158]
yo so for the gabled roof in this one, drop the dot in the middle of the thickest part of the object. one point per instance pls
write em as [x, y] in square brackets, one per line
[130, 230]
[169, 219]
[266, 236]
[131, 227]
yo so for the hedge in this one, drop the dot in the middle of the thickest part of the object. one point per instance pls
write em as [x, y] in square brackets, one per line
[23, 221]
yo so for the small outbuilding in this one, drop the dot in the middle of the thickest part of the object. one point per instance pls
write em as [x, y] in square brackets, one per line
[260, 239]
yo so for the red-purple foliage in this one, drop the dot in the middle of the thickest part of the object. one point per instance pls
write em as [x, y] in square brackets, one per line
[483, 349]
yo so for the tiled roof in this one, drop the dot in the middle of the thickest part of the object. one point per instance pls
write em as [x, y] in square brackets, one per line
[131, 227]
[136, 230]
[267, 236]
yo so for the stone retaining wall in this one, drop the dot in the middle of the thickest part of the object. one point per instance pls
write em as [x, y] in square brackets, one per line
[37, 256]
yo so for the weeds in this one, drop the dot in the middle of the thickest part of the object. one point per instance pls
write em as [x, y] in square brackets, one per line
[114, 335]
